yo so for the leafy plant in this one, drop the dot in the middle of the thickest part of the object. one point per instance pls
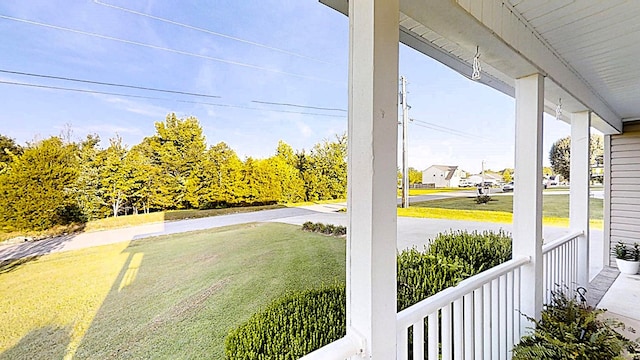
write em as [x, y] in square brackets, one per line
[327, 229]
[291, 327]
[572, 330]
[481, 250]
[623, 251]
[483, 199]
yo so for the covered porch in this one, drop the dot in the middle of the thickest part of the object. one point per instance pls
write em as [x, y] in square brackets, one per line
[575, 60]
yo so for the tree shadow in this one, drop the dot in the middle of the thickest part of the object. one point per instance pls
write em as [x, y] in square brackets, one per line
[13, 257]
[49, 342]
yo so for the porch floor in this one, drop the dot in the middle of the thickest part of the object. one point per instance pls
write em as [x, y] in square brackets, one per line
[621, 299]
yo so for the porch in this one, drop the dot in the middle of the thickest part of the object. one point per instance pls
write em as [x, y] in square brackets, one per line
[574, 60]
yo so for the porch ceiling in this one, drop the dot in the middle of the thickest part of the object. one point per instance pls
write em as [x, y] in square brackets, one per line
[588, 50]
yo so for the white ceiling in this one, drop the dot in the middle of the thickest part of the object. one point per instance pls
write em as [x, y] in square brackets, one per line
[600, 40]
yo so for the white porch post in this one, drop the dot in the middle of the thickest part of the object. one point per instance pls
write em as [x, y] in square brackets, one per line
[373, 119]
[579, 193]
[527, 197]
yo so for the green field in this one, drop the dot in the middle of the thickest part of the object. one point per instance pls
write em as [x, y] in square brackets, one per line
[170, 297]
[500, 210]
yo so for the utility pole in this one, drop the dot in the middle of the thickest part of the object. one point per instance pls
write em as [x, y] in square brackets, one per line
[405, 165]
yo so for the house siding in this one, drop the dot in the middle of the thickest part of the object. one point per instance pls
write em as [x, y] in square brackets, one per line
[622, 195]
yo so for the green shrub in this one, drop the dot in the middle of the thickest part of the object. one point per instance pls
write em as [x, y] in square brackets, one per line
[291, 326]
[571, 330]
[481, 250]
[483, 199]
[421, 275]
[328, 229]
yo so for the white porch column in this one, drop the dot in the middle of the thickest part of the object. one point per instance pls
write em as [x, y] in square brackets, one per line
[373, 129]
[579, 193]
[527, 197]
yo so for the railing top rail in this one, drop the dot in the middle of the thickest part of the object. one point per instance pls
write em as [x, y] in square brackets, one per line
[429, 305]
[561, 241]
[338, 350]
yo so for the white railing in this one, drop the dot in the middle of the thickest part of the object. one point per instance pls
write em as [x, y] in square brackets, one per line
[560, 265]
[478, 318]
[340, 349]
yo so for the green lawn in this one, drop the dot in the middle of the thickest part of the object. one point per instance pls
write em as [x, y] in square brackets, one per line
[552, 205]
[500, 209]
[170, 297]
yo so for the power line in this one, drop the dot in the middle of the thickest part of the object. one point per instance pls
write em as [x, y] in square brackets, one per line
[433, 126]
[191, 27]
[164, 99]
[106, 83]
[181, 52]
[298, 106]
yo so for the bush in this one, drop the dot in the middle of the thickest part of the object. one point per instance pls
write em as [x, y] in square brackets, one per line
[570, 330]
[291, 326]
[481, 250]
[483, 199]
[328, 229]
[421, 275]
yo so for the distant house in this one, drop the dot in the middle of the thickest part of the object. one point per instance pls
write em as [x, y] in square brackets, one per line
[488, 178]
[441, 176]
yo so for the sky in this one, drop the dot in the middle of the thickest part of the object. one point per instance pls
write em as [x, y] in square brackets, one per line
[239, 54]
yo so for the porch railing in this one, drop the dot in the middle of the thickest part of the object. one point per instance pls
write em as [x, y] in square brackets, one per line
[475, 319]
[560, 265]
[479, 317]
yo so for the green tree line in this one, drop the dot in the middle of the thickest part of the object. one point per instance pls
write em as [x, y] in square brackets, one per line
[57, 182]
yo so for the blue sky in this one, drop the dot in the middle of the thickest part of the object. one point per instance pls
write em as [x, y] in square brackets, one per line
[297, 55]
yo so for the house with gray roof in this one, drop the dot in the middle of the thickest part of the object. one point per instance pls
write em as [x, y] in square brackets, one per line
[442, 176]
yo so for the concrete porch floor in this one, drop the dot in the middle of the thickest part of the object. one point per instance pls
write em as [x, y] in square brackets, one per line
[620, 298]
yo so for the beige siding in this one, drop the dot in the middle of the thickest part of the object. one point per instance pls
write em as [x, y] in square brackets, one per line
[624, 188]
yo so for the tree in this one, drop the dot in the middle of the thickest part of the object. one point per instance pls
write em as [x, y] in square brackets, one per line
[115, 179]
[34, 191]
[87, 187]
[178, 149]
[8, 149]
[415, 176]
[560, 154]
[324, 170]
[507, 175]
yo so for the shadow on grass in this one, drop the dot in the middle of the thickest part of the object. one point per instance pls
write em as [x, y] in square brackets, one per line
[13, 257]
[48, 342]
[10, 265]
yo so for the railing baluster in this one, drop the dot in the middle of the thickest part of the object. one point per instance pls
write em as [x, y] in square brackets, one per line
[418, 340]
[446, 332]
[495, 319]
[503, 317]
[433, 336]
[402, 342]
[487, 320]
[469, 320]
[517, 331]
[458, 330]
[478, 321]
[510, 313]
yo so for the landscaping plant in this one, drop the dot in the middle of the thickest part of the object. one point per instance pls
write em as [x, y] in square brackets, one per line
[572, 330]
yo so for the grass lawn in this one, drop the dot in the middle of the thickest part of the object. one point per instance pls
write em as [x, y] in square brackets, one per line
[415, 192]
[170, 297]
[500, 209]
[133, 220]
